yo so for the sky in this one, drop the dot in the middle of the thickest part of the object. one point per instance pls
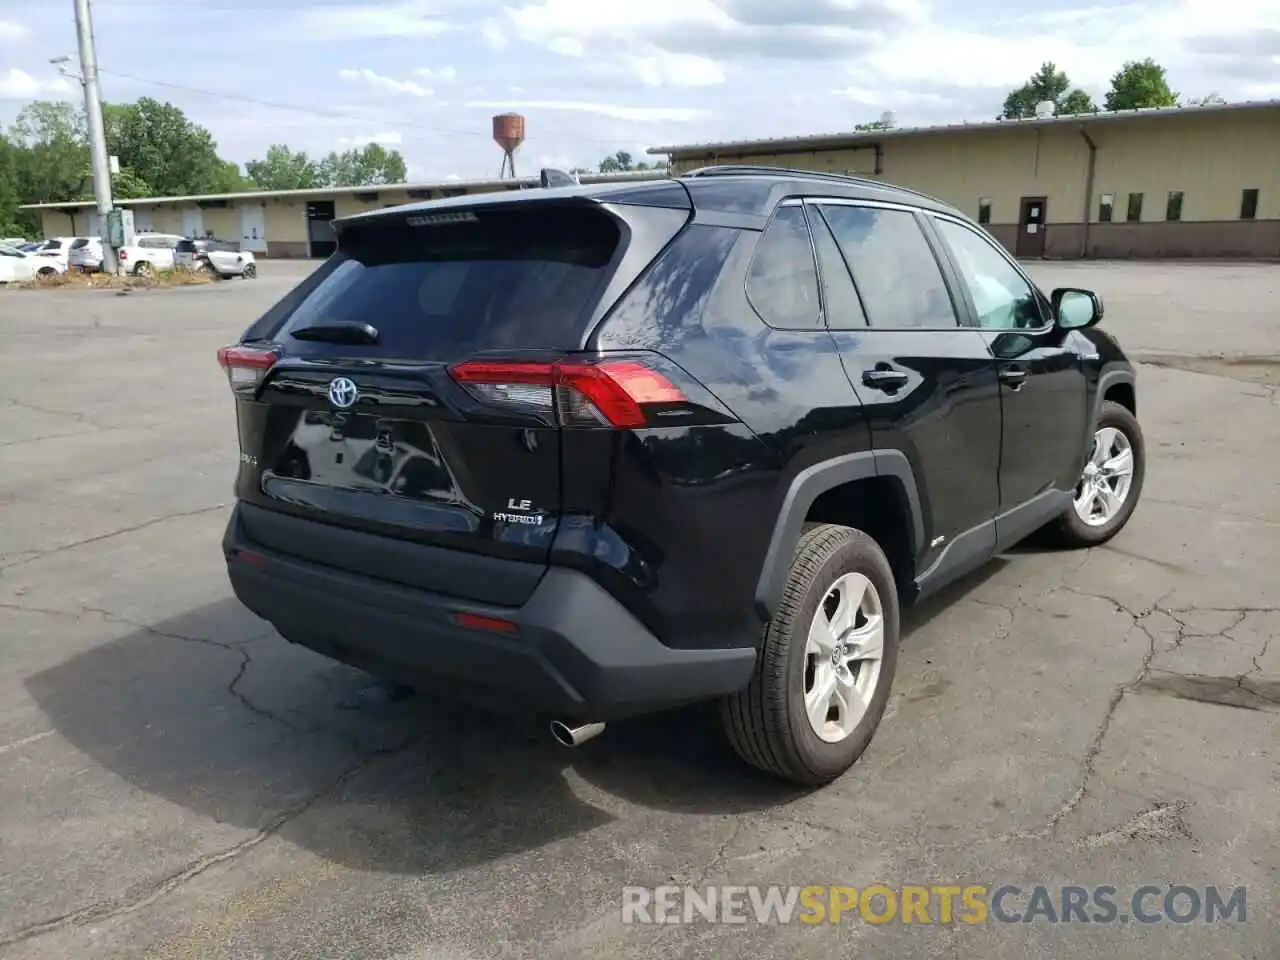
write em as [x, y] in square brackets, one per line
[593, 77]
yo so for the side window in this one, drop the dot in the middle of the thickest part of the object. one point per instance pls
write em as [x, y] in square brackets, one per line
[839, 296]
[893, 267]
[782, 283]
[1002, 298]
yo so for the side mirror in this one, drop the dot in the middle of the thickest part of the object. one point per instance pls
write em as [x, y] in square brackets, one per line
[1076, 309]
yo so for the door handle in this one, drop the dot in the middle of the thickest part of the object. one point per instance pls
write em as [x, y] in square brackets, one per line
[885, 378]
[1015, 377]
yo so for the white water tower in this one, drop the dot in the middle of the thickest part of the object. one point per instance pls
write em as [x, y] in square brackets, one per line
[888, 120]
[1045, 109]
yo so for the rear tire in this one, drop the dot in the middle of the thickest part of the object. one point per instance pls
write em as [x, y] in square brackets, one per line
[775, 723]
[1093, 520]
[143, 270]
[249, 272]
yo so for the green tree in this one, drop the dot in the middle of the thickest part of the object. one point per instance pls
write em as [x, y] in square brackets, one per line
[13, 222]
[163, 148]
[1140, 83]
[284, 169]
[52, 160]
[368, 166]
[622, 162]
[1046, 84]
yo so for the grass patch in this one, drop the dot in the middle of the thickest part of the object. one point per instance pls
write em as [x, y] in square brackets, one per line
[76, 280]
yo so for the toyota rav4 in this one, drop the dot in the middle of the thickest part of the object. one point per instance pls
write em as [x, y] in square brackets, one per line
[604, 450]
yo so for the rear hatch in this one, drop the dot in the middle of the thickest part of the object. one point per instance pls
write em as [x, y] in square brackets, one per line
[80, 251]
[184, 253]
[407, 391]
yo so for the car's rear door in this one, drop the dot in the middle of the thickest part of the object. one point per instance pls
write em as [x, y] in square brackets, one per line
[162, 253]
[413, 392]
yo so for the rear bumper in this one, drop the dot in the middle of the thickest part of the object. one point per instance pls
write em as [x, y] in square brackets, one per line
[574, 652]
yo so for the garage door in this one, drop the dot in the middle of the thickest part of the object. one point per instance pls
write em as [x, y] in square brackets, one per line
[253, 228]
[193, 222]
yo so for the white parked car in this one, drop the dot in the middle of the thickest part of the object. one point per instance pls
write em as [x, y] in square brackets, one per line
[149, 253]
[85, 254]
[56, 249]
[18, 267]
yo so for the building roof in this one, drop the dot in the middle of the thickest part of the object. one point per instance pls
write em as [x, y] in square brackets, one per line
[469, 185]
[830, 141]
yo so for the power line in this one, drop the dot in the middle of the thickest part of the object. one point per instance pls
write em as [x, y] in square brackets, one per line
[342, 115]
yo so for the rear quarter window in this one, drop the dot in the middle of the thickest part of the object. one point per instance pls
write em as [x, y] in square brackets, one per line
[782, 282]
[522, 278]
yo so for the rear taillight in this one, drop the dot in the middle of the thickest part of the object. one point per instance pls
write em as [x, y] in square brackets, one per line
[246, 366]
[610, 393]
[123, 254]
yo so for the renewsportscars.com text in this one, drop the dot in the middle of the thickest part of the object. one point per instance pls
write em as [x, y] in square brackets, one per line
[934, 904]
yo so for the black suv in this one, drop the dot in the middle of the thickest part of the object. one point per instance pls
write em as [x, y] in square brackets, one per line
[602, 450]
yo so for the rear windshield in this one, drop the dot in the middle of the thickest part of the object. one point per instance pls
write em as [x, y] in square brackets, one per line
[79, 244]
[52, 245]
[502, 279]
[185, 246]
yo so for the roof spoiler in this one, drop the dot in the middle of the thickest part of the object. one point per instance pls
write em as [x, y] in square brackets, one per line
[550, 177]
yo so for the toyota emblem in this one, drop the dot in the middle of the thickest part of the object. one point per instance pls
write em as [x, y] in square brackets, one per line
[343, 393]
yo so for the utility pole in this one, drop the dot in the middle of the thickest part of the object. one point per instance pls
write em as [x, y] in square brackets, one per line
[97, 130]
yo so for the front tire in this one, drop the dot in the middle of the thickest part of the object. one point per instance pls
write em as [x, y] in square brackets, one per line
[827, 662]
[1111, 483]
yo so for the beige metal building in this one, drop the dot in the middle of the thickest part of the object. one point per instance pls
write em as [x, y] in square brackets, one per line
[1176, 182]
[277, 223]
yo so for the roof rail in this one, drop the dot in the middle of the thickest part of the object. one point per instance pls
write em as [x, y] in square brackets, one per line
[747, 169]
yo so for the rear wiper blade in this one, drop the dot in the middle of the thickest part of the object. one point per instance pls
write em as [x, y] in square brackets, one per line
[341, 331]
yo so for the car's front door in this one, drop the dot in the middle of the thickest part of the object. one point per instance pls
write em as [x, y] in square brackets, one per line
[927, 382]
[1042, 380]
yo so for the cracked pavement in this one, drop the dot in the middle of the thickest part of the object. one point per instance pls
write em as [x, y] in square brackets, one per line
[178, 782]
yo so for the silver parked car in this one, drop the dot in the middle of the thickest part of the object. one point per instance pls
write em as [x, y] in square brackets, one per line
[220, 257]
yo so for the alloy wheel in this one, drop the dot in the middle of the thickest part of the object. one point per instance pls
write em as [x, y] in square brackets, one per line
[1107, 477]
[843, 653]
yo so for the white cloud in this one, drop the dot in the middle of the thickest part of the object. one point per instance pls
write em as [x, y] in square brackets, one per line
[371, 21]
[865, 97]
[660, 69]
[556, 161]
[762, 29]
[492, 32]
[614, 110]
[17, 84]
[1089, 43]
[369, 78]
[12, 31]
[391, 139]
[437, 74]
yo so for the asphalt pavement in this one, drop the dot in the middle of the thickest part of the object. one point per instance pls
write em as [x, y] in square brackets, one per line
[176, 781]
